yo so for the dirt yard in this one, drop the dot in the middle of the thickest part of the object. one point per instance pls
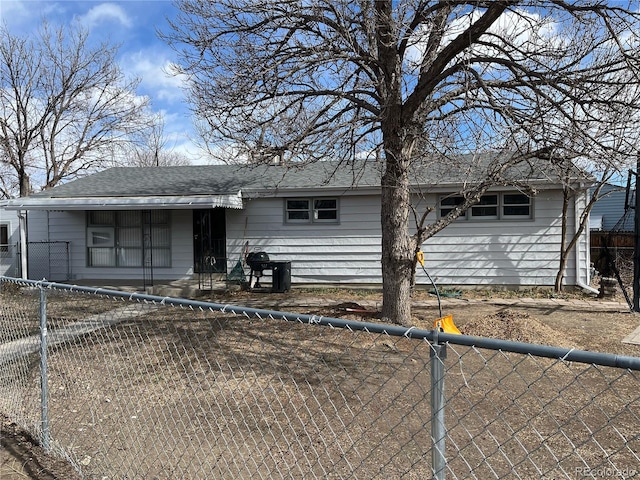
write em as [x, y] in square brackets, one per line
[568, 322]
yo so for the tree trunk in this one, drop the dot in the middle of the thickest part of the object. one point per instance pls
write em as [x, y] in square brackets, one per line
[397, 249]
[564, 252]
[24, 182]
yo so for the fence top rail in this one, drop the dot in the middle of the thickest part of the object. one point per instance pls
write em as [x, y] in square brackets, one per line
[40, 242]
[432, 336]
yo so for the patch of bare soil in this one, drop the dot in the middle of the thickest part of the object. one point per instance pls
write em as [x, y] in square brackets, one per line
[22, 457]
[571, 326]
[514, 325]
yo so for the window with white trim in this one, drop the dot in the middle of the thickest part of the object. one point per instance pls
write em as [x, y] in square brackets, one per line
[492, 206]
[128, 238]
[311, 210]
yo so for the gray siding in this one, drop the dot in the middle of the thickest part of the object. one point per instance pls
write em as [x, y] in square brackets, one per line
[497, 253]
[348, 251]
[70, 226]
[500, 253]
[466, 253]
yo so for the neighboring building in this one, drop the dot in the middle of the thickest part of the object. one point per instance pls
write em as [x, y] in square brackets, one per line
[611, 212]
[612, 221]
[9, 242]
[180, 221]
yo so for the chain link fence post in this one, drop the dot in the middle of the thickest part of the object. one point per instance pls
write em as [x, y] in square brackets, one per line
[438, 430]
[44, 390]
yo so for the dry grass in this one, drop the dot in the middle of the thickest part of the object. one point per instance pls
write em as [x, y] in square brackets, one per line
[177, 393]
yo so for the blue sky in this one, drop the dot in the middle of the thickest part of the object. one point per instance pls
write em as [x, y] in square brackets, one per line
[133, 25]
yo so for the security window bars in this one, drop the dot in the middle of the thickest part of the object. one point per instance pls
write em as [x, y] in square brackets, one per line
[122, 239]
[4, 238]
[311, 210]
[494, 206]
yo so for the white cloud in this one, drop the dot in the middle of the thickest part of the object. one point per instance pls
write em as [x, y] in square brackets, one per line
[105, 12]
[13, 10]
[19, 14]
[517, 29]
[153, 69]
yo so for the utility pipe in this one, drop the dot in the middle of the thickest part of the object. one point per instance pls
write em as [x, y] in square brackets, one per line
[22, 219]
[576, 225]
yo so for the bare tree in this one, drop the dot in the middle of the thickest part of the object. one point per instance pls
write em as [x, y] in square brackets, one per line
[410, 83]
[610, 166]
[151, 150]
[601, 139]
[65, 107]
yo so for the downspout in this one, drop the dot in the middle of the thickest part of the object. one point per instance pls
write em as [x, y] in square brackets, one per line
[579, 281]
[22, 219]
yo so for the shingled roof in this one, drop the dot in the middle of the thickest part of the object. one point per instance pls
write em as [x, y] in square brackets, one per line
[202, 180]
[226, 185]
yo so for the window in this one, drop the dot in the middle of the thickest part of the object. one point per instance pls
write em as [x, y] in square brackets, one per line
[311, 210]
[449, 203]
[516, 205]
[486, 208]
[492, 206]
[298, 211]
[4, 238]
[325, 210]
[128, 238]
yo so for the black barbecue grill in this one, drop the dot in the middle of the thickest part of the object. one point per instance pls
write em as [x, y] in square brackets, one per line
[258, 262]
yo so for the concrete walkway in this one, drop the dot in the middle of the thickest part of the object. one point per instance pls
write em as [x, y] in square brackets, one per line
[633, 337]
[24, 346]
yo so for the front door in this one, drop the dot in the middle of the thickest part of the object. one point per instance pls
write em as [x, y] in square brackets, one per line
[209, 238]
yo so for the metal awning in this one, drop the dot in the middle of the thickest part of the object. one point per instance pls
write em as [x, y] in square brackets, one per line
[127, 203]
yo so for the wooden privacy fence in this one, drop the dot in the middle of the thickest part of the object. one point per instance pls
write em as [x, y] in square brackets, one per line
[620, 246]
[612, 239]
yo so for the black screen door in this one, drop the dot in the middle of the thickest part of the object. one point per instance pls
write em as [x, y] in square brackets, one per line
[209, 235]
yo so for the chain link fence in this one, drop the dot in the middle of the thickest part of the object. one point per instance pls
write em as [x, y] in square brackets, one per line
[9, 260]
[136, 386]
[49, 260]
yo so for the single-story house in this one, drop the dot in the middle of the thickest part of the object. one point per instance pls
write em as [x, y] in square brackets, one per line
[179, 222]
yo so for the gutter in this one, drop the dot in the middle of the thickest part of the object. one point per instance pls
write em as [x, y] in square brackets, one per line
[579, 281]
[231, 200]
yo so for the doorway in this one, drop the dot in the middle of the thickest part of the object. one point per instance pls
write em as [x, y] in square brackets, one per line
[209, 241]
